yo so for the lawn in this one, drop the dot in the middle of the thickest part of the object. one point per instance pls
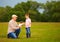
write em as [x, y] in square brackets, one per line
[40, 32]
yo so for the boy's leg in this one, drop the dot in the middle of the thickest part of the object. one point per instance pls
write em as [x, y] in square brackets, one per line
[12, 35]
[28, 32]
[17, 32]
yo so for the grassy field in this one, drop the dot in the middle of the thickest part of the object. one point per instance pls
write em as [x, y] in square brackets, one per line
[40, 32]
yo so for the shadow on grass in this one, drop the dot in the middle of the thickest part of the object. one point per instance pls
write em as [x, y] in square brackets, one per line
[28, 38]
[3, 36]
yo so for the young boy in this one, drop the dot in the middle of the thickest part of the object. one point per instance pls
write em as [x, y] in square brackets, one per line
[28, 25]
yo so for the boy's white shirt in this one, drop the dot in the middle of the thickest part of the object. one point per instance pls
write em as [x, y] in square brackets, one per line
[28, 22]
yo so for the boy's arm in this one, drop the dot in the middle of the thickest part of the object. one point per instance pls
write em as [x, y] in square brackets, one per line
[30, 22]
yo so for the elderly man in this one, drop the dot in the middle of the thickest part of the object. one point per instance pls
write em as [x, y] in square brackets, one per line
[13, 28]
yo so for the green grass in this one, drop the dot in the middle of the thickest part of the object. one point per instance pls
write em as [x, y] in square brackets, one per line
[40, 32]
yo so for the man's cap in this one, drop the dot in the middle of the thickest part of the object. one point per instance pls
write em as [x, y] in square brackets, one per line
[14, 15]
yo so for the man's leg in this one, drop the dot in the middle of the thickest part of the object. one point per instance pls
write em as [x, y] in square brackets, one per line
[12, 35]
[17, 32]
[8, 36]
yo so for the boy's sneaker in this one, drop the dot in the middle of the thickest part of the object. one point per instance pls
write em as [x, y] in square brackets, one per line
[29, 35]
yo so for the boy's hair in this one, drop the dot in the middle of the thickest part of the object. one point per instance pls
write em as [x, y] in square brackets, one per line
[27, 14]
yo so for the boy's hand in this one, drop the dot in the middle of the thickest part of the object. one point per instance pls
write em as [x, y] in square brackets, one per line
[20, 25]
[23, 23]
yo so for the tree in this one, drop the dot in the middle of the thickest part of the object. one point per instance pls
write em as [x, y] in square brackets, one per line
[28, 7]
[51, 10]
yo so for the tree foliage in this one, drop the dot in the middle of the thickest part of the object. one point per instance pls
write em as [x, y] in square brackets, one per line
[51, 11]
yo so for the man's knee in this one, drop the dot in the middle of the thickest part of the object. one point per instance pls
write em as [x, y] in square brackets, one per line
[11, 35]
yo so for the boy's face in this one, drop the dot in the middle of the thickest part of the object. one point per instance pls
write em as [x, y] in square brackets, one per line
[26, 16]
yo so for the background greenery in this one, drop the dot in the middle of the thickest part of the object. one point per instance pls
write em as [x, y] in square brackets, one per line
[51, 11]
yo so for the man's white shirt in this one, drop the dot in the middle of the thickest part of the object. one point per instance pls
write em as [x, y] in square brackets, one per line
[12, 26]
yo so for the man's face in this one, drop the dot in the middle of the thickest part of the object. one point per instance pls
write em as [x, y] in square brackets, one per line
[15, 18]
